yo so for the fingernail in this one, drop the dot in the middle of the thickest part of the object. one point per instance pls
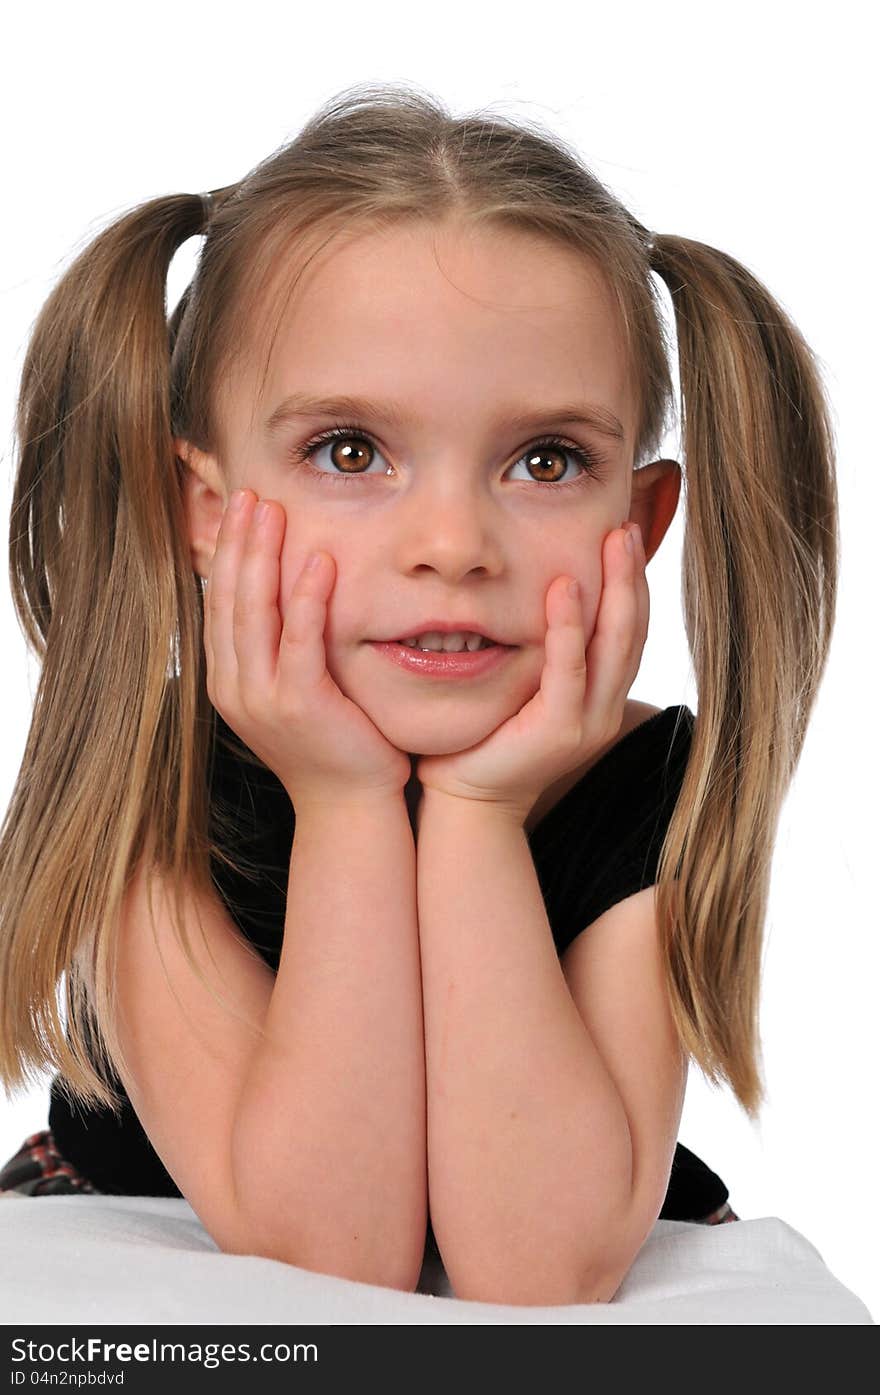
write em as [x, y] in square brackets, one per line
[574, 589]
[629, 541]
[313, 561]
[237, 500]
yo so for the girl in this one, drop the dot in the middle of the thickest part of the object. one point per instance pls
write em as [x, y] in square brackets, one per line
[464, 918]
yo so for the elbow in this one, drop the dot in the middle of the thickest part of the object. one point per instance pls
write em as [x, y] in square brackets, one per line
[538, 1285]
[539, 1291]
[385, 1271]
[531, 1295]
[392, 1269]
[599, 1288]
[599, 1284]
[535, 1287]
[361, 1249]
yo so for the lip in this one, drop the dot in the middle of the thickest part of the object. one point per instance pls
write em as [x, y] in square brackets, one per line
[442, 665]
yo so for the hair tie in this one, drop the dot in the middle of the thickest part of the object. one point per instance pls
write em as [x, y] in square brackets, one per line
[207, 207]
[646, 237]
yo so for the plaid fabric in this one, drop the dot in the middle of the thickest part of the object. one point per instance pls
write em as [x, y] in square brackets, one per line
[38, 1169]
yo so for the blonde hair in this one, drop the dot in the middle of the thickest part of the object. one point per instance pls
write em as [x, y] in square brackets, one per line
[116, 763]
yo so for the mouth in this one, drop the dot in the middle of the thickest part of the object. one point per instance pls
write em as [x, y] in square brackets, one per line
[449, 644]
[444, 663]
[439, 640]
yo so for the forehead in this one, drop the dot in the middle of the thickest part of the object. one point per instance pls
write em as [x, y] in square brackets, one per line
[443, 316]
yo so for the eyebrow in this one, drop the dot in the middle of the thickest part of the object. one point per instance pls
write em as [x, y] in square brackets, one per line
[300, 404]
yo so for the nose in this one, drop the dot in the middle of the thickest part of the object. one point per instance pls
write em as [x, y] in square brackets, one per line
[450, 526]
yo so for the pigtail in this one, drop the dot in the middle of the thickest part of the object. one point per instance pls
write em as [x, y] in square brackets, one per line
[759, 590]
[103, 583]
[104, 590]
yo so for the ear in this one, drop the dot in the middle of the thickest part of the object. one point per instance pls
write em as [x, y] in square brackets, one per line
[205, 497]
[655, 491]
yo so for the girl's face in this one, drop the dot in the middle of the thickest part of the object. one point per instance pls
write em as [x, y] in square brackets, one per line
[433, 506]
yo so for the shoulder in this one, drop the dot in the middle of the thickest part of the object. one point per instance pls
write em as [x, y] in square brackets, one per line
[655, 741]
[634, 714]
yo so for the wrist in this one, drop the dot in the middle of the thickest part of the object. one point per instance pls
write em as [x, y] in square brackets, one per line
[444, 803]
[336, 801]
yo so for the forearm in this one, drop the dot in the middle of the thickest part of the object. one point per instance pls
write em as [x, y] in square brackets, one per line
[529, 1152]
[329, 1135]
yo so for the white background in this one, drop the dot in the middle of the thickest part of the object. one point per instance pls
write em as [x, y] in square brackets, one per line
[748, 127]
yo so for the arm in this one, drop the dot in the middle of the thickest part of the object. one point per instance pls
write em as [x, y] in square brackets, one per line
[533, 1192]
[329, 1133]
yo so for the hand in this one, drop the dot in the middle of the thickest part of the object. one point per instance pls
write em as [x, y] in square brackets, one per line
[579, 707]
[269, 681]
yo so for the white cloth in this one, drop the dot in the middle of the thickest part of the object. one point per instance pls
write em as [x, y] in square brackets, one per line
[149, 1260]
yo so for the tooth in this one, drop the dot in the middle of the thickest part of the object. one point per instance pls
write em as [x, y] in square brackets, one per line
[454, 643]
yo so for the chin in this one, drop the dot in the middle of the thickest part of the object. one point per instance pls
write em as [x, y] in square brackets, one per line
[437, 737]
[419, 743]
[442, 722]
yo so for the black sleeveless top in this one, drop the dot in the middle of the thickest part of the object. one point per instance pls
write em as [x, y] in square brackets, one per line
[597, 845]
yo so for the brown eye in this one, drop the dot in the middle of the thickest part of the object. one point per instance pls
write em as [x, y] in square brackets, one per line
[543, 461]
[351, 452]
[348, 457]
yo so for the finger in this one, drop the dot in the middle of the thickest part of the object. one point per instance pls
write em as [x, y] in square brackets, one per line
[618, 638]
[643, 598]
[302, 657]
[632, 572]
[256, 622]
[564, 673]
[220, 595]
